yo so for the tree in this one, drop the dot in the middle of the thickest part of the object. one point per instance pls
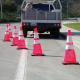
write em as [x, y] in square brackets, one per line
[1, 9]
[9, 6]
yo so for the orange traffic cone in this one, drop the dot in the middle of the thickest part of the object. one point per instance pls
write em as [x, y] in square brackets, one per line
[21, 42]
[10, 33]
[69, 57]
[15, 37]
[7, 36]
[8, 27]
[37, 50]
[8, 24]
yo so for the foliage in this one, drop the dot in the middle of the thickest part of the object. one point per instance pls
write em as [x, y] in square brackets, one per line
[70, 8]
[10, 10]
[74, 25]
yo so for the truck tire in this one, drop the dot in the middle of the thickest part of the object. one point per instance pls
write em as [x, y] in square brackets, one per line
[24, 31]
[55, 32]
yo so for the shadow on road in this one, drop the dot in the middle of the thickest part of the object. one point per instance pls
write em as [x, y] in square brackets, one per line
[48, 36]
[62, 36]
[52, 56]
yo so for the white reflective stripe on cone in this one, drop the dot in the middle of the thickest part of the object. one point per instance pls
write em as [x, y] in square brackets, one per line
[69, 38]
[69, 46]
[15, 35]
[14, 31]
[37, 41]
[7, 28]
[36, 35]
[7, 32]
[20, 33]
[21, 37]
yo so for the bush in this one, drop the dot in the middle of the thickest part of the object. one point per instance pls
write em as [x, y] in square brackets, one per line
[9, 17]
[9, 20]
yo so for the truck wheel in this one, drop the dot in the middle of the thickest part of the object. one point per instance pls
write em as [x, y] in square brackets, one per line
[24, 31]
[51, 32]
[55, 32]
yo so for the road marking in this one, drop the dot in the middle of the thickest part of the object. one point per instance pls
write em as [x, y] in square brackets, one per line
[22, 65]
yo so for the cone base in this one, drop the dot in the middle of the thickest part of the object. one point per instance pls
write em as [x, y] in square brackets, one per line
[21, 44]
[10, 34]
[7, 40]
[11, 37]
[38, 55]
[13, 45]
[15, 41]
[21, 48]
[70, 57]
[71, 63]
[37, 50]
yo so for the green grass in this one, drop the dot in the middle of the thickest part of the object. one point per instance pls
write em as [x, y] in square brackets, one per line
[75, 26]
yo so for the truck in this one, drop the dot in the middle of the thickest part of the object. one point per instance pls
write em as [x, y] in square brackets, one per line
[45, 14]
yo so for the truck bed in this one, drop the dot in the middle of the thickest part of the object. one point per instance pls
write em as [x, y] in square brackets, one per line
[41, 16]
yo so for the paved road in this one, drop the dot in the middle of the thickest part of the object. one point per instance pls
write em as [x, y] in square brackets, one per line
[12, 61]
[20, 65]
[50, 67]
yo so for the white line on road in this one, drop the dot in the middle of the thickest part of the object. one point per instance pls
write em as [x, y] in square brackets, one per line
[22, 65]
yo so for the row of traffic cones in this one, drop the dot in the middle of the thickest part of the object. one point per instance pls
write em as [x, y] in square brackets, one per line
[69, 57]
[20, 42]
[16, 41]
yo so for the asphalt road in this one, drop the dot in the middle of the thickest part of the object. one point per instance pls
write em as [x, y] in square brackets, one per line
[20, 65]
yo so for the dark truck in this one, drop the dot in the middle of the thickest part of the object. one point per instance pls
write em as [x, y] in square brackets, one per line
[45, 14]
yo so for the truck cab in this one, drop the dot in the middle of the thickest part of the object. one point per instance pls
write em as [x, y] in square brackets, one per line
[45, 14]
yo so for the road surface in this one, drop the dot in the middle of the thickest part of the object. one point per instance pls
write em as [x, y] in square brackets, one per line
[20, 65]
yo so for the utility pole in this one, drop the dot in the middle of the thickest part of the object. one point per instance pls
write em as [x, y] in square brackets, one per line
[69, 2]
[1, 9]
[67, 8]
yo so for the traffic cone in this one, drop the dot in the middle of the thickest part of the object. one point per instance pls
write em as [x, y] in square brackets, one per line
[14, 31]
[15, 37]
[6, 36]
[37, 50]
[8, 27]
[70, 56]
[10, 33]
[8, 24]
[21, 42]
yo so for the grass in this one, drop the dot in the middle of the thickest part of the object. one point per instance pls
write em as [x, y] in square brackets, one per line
[75, 26]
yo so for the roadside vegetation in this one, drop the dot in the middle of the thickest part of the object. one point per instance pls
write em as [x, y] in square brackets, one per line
[75, 26]
[11, 9]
